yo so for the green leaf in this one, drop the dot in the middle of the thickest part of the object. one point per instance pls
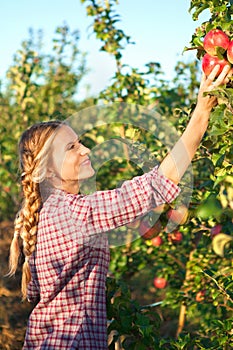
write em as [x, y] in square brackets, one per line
[220, 52]
[218, 159]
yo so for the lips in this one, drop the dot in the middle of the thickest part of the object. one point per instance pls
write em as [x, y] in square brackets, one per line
[86, 162]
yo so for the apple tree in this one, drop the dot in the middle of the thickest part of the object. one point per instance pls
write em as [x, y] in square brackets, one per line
[191, 306]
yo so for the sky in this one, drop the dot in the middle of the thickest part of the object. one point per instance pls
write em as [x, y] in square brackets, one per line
[160, 30]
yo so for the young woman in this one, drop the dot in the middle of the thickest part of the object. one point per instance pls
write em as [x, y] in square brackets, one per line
[63, 232]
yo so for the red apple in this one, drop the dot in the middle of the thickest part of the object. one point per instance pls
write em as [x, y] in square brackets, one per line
[147, 231]
[200, 296]
[215, 38]
[179, 215]
[230, 52]
[215, 230]
[208, 63]
[160, 282]
[175, 237]
[157, 241]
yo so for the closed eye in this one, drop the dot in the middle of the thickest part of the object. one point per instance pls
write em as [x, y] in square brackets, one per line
[73, 145]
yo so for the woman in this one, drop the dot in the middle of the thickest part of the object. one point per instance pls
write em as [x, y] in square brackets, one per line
[64, 233]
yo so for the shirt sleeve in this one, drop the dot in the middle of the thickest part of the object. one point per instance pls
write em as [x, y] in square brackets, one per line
[106, 210]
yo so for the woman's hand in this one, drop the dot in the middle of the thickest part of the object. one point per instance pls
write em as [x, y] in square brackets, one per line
[209, 83]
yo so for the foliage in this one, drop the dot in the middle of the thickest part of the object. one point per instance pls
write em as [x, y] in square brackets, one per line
[134, 325]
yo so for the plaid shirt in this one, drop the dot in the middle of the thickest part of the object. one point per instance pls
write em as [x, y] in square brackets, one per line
[71, 260]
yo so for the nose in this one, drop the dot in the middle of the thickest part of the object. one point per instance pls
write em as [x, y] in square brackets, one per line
[84, 150]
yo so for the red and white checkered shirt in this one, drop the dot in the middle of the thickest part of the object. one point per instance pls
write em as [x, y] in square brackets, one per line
[71, 260]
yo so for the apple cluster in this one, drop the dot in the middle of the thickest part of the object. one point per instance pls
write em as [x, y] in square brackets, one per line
[151, 230]
[219, 50]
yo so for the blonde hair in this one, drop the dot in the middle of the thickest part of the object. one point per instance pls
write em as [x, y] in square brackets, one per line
[33, 152]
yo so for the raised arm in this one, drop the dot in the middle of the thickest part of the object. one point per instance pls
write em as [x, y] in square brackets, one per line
[177, 161]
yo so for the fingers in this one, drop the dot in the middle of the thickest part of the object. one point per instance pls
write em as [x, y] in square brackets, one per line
[228, 77]
[213, 73]
[208, 80]
[214, 80]
[224, 76]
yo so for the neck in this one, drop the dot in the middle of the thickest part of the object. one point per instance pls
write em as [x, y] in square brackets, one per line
[71, 187]
[68, 186]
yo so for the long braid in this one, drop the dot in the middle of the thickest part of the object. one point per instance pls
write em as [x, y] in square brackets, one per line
[30, 211]
[34, 152]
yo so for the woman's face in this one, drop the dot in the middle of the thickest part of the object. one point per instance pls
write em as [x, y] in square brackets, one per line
[70, 160]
